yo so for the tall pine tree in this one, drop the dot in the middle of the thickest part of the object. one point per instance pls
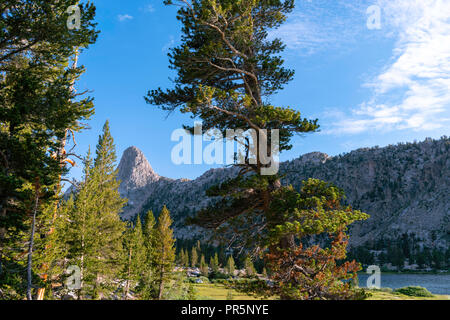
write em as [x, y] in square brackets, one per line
[135, 256]
[96, 228]
[227, 68]
[147, 287]
[39, 113]
[164, 256]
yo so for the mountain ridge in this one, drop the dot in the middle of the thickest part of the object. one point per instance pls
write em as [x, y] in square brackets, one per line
[403, 187]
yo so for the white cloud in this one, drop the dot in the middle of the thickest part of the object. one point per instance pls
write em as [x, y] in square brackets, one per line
[413, 91]
[148, 8]
[168, 45]
[124, 17]
[321, 25]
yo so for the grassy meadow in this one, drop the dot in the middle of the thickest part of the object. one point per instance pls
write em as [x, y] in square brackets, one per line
[212, 291]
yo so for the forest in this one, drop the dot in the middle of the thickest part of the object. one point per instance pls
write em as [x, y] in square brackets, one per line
[227, 69]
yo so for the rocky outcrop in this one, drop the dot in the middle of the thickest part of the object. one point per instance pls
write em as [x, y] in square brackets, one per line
[137, 181]
[405, 188]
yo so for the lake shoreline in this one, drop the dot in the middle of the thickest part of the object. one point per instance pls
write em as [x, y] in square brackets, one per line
[436, 283]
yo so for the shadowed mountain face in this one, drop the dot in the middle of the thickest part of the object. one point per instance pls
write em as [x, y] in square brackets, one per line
[405, 188]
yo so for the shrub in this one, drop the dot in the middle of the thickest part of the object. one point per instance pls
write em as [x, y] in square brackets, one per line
[219, 276]
[414, 291]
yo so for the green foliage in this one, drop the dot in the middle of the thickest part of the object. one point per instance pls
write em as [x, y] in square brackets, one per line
[313, 270]
[95, 232]
[204, 266]
[226, 67]
[194, 257]
[179, 288]
[135, 257]
[230, 266]
[414, 291]
[249, 267]
[39, 28]
[164, 251]
[214, 264]
[147, 288]
[40, 111]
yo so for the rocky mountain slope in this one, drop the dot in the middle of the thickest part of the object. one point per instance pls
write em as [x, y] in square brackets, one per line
[405, 188]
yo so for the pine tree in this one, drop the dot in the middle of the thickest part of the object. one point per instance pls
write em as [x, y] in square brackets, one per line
[80, 233]
[214, 264]
[231, 265]
[308, 272]
[108, 205]
[186, 258]
[180, 258]
[39, 113]
[135, 255]
[147, 287]
[164, 256]
[249, 267]
[227, 68]
[194, 257]
[50, 244]
[204, 266]
[265, 275]
[199, 247]
[97, 231]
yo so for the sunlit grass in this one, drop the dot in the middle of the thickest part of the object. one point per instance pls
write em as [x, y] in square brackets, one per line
[220, 292]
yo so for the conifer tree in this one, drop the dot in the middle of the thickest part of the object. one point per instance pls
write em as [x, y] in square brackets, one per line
[186, 258]
[194, 257]
[147, 287]
[231, 265]
[227, 68]
[39, 113]
[164, 254]
[214, 263]
[204, 266]
[80, 233]
[50, 244]
[96, 228]
[108, 205]
[199, 247]
[180, 258]
[136, 256]
[249, 267]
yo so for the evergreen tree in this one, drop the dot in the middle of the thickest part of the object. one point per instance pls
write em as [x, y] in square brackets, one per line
[227, 68]
[147, 287]
[230, 266]
[135, 255]
[186, 258]
[199, 247]
[96, 229]
[249, 267]
[164, 255]
[194, 257]
[51, 246]
[214, 264]
[204, 266]
[180, 258]
[108, 206]
[39, 114]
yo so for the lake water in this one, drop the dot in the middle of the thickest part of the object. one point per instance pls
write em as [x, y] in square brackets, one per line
[435, 283]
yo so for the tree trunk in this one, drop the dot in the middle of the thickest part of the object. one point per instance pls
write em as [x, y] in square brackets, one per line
[127, 286]
[61, 154]
[161, 284]
[30, 248]
[80, 297]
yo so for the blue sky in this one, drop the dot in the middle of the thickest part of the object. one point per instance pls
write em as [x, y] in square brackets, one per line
[368, 87]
